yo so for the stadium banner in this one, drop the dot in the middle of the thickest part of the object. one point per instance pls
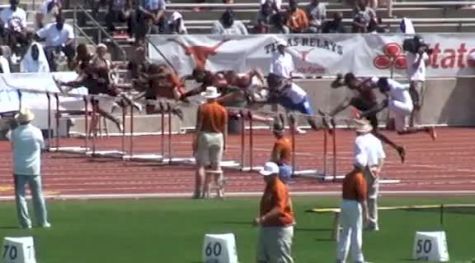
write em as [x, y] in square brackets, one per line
[315, 54]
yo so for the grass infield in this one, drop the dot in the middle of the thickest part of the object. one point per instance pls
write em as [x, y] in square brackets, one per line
[172, 230]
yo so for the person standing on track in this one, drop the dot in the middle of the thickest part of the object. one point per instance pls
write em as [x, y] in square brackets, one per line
[371, 147]
[210, 143]
[27, 143]
[276, 219]
[282, 152]
[364, 99]
[354, 212]
[400, 105]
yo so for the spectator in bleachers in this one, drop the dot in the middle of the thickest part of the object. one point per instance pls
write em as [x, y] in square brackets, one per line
[4, 64]
[59, 38]
[150, 17]
[375, 26]
[34, 59]
[49, 9]
[297, 19]
[362, 15]
[316, 12]
[120, 11]
[138, 62]
[278, 25]
[175, 24]
[13, 27]
[227, 25]
[276, 4]
[264, 16]
[336, 25]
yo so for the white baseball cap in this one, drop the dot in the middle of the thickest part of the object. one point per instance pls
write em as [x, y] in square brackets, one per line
[269, 169]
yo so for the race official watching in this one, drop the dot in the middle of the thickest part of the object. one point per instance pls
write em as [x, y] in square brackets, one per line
[276, 219]
[371, 147]
[353, 212]
[58, 37]
[27, 142]
[209, 143]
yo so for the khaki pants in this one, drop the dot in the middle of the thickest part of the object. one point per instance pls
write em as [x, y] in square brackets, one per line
[209, 149]
[373, 192]
[275, 245]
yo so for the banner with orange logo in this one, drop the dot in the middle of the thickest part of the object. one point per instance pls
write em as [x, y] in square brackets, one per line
[314, 54]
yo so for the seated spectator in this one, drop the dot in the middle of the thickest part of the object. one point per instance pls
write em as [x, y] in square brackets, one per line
[263, 19]
[59, 38]
[336, 25]
[362, 15]
[34, 59]
[227, 25]
[375, 26]
[138, 62]
[150, 18]
[49, 9]
[13, 27]
[4, 64]
[316, 12]
[120, 11]
[276, 4]
[297, 19]
[175, 24]
[278, 25]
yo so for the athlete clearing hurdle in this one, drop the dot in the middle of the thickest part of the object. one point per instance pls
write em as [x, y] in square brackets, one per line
[364, 99]
[292, 97]
[400, 105]
[95, 77]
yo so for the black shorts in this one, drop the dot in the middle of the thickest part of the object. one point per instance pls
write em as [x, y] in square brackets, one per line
[363, 105]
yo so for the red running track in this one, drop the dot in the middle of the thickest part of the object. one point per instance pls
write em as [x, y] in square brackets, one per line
[444, 166]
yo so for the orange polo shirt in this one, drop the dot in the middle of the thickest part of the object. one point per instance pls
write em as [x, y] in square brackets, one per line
[298, 20]
[282, 151]
[214, 117]
[354, 186]
[276, 194]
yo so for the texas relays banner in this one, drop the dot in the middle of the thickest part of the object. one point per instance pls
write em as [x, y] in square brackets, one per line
[315, 54]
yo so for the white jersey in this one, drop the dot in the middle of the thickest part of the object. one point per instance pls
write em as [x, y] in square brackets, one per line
[399, 92]
[295, 93]
[282, 65]
[14, 20]
[367, 145]
[417, 73]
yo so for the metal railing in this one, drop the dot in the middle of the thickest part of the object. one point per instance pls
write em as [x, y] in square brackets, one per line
[101, 32]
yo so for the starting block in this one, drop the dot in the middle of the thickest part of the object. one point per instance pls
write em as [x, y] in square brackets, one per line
[143, 157]
[78, 150]
[430, 246]
[219, 248]
[106, 154]
[18, 250]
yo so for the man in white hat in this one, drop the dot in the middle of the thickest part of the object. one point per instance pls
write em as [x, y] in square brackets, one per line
[282, 63]
[371, 148]
[353, 213]
[27, 142]
[276, 219]
[209, 143]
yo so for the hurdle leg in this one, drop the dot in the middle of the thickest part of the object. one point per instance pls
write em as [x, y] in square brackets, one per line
[336, 226]
[251, 143]
[243, 139]
[334, 150]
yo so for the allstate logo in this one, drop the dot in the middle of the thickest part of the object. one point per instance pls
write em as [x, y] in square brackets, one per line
[393, 57]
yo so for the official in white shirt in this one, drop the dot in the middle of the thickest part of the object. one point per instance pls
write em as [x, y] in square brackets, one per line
[282, 62]
[57, 36]
[400, 105]
[371, 147]
[27, 142]
[34, 60]
[416, 73]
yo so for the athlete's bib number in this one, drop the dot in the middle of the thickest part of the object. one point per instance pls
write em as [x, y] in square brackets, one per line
[213, 249]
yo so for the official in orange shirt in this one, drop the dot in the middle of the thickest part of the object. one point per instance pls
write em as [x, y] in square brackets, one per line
[282, 152]
[353, 211]
[209, 143]
[297, 18]
[276, 219]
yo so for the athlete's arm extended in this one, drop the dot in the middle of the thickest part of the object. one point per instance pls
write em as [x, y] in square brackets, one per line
[377, 108]
[338, 82]
[341, 107]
